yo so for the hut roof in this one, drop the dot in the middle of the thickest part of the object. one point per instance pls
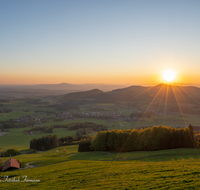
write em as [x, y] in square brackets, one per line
[11, 163]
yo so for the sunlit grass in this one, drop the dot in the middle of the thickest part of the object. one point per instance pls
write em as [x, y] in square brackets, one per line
[179, 169]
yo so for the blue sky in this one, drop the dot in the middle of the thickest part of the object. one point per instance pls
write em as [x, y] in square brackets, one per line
[98, 41]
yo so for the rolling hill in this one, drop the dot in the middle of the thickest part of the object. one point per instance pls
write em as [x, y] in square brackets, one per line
[161, 97]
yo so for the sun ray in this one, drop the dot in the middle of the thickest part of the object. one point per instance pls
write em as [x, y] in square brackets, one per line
[141, 93]
[189, 95]
[198, 103]
[144, 113]
[166, 98]
[175, 92]
[184, 118]
[175, 95]
[150, 103]
[145, 110]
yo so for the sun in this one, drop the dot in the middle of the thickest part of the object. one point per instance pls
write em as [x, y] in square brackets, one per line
[169, 75]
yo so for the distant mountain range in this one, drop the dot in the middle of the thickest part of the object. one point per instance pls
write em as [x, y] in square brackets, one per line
[160, 97]
[63, 87]
[11, 91]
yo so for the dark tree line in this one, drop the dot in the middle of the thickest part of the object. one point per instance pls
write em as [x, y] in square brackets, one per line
[45, 143]
[6, 110]
[60, 126]
[69, 140]
[84, 146]
[45, 129]
[153, 138]
[51, 141]
[11, 124]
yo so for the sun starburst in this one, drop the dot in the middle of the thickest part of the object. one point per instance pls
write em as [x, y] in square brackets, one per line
[169, 75]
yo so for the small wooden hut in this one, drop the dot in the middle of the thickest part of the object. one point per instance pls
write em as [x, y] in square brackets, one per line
[9, 164]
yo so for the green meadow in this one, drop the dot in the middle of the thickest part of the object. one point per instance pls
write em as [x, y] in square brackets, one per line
[56, 169]
[15, 138]
[166, 169]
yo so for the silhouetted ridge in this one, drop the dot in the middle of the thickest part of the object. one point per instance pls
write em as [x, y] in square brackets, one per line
[84, 94]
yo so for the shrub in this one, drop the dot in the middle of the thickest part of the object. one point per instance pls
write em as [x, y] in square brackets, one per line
[65, 150]
[69, 140]
[22, 164]
[31, 151]
[45, 143]
[11, 152]
[38, 130]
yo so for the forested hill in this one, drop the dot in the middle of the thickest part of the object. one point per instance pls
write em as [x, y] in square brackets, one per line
[161, 97]
[81, 95]
[160, 92]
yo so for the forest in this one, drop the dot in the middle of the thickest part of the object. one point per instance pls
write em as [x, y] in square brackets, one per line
[152, 138]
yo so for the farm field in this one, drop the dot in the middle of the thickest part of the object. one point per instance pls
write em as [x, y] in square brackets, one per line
[19, 107]
[15, 138]
[166, 169]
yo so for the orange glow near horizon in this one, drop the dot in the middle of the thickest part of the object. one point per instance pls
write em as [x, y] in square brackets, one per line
[135, 79]
[80, 79]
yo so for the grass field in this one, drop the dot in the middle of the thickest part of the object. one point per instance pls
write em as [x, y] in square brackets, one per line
[16, 139]
[166, 169]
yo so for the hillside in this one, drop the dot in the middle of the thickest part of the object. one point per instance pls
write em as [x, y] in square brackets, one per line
[161, 97]
[166, 169]
[19, 91]
[81, 95]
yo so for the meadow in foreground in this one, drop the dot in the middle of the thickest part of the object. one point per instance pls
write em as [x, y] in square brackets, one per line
[165, 169]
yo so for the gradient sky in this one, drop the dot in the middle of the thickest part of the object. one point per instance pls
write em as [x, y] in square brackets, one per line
[105, 41]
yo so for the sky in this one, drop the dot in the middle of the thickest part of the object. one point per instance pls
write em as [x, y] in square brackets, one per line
[101, 41]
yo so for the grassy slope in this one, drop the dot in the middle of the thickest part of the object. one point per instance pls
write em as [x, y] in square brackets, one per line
[86, 170]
